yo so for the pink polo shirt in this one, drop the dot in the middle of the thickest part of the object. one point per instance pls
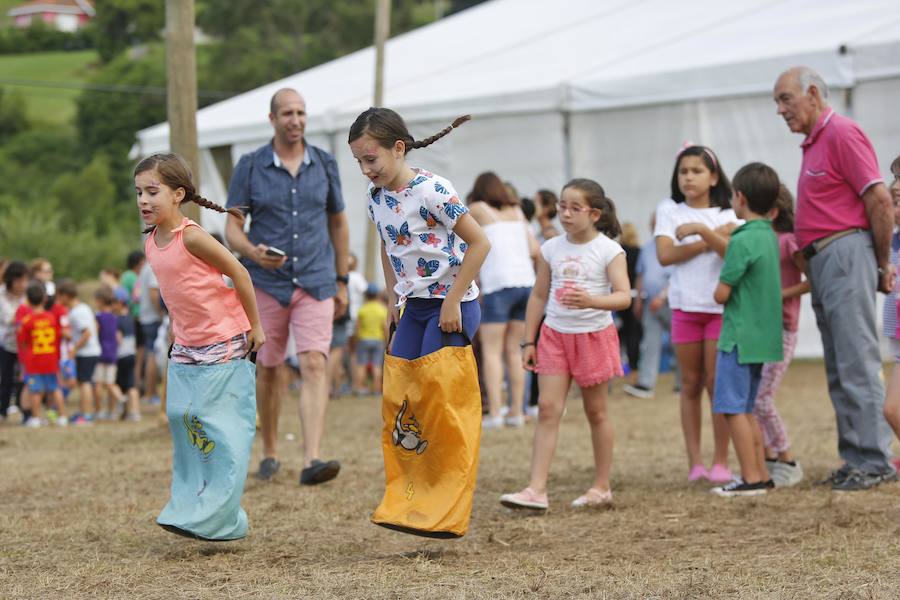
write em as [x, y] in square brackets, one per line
[839, 165]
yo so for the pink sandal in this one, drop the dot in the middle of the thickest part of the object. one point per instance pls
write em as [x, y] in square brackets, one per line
[593, 498]
[527, 498]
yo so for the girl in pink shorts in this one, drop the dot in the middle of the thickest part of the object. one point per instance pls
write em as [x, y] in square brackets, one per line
[581, 278]
[692, 234]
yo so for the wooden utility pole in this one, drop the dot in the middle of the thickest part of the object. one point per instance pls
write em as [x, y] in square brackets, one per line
[181, 89]
[382, 31]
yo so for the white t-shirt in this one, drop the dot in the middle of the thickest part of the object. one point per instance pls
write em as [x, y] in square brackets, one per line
[82, 318]
[356, 291]
[693, 282]
[149, 310]
[416, 225]
[578, 266]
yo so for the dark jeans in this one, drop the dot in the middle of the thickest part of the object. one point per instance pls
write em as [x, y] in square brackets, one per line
[9, 385]
[418, 333]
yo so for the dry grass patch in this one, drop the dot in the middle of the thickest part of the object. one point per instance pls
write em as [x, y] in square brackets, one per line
[78, 509]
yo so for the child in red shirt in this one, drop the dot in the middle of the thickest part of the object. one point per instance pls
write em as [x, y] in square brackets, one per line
[39, 338]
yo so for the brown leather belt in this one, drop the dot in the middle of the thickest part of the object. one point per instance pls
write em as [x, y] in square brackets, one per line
[819, 245]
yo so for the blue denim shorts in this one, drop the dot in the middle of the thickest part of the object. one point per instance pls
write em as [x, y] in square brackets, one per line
[39, 384]
[505, 305]
[736, 384]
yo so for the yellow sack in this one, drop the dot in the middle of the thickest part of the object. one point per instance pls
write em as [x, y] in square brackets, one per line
[430, 439]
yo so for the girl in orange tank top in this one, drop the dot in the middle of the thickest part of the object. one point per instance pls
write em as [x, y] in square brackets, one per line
[211, 401]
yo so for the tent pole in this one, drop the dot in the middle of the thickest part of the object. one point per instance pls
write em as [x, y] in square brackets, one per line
[382, 30]
[567, 144]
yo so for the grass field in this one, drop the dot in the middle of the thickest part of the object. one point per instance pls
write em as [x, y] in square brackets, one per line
[78, 509]
[51, 105]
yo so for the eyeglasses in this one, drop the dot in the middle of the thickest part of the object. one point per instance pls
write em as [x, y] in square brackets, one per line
[575, 209]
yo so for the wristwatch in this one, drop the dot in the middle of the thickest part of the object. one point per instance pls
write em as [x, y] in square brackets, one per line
[524, 345]
[345, 279]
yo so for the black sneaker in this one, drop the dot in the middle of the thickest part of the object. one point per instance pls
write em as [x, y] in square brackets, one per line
[319, 472]
[638, 391]
[857, 481]
[770, 484]
[739, 487]
[890, 476]
[836, 477]
[267, 469]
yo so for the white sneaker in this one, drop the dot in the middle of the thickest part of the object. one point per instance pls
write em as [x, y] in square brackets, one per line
[489, 422]
[638, 391]
[504, 410]
[103, 416]
[12, 410]
[517, 421]
[33, 422]
[532, 410]
[785, 475]
[62, 421]
[134, 417]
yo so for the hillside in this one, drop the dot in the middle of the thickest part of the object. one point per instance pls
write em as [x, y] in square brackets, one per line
[46, 103]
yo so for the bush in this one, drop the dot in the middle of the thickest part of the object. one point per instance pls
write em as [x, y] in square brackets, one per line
[40, 37]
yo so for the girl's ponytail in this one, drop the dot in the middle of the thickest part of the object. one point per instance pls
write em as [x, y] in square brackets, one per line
[430, 140]
[387, 127]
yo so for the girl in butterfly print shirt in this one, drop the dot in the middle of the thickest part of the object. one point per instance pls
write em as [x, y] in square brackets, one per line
[432, 248]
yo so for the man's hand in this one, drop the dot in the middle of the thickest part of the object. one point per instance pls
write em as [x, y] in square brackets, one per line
[887, 280]
[657, 303]
[341, 303]
[266, 261]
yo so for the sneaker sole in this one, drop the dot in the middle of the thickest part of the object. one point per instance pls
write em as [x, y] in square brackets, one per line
[638, 393]
[723, 494]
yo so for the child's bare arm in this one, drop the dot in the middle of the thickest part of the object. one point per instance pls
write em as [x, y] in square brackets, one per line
[537, 302]
[795, 291]
[669, 254]
[722, 293]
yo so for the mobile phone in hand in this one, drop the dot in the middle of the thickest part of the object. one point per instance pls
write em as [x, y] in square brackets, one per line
[273, 251]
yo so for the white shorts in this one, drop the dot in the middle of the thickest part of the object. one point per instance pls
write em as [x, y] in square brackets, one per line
[105, 373]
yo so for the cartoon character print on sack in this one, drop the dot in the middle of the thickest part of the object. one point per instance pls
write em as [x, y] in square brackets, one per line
[408, 435]
[197, 436]
[572, 270]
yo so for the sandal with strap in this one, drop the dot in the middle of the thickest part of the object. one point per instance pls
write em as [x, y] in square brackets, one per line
[593, 498]
[527, 498]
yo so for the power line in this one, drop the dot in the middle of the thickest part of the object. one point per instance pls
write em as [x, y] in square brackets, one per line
[109, 88]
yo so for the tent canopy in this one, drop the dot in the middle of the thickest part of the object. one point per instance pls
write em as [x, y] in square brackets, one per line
[521, 56]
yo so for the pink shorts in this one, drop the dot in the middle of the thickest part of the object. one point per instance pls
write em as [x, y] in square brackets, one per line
[308, 319]
[691, 327]
[589, 358]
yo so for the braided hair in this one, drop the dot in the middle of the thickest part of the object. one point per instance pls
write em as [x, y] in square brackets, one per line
[386, 127]
[175, 173]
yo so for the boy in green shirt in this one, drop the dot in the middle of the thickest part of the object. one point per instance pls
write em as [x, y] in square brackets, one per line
[750, 288]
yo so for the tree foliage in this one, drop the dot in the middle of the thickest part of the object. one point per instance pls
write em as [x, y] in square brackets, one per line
[123, 23]
[12, 113]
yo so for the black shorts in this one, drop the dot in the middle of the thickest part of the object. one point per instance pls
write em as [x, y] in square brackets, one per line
[84, 368]
[138, 333]
[125, 372]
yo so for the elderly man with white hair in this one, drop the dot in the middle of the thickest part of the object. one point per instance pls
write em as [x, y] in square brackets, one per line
[843, 226]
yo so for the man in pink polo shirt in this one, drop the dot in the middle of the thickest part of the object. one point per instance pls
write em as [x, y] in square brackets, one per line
[843, 226]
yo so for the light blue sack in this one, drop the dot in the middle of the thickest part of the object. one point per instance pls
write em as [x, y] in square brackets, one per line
[212, 417]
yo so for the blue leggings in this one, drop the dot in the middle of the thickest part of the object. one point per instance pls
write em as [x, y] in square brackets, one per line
[418, 332]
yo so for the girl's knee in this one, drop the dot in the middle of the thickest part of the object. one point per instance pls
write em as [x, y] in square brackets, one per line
[596, 416]
[550, 410]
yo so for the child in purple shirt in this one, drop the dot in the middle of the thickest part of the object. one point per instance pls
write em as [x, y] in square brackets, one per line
[105, 373]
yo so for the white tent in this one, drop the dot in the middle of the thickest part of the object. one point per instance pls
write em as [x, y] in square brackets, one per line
[607, 89]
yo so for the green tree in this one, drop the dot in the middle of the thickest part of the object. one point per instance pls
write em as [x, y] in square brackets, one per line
[123, 23]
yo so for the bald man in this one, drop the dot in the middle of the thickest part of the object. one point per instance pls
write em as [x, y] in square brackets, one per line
[296, 251]
[843, 226]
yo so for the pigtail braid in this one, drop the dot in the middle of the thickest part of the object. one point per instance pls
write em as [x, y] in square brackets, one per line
[201, 201]
[430, 140]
